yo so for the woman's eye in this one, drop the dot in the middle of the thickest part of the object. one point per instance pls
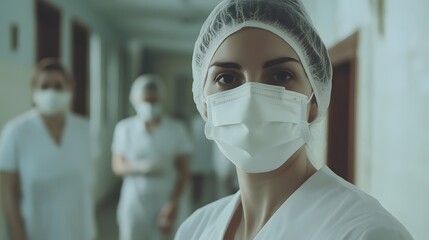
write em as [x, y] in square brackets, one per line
[44, 86]
[226, 79]
[58, 86]
[282, 76]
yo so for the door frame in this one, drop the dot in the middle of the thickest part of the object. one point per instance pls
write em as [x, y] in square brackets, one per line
[342, 52]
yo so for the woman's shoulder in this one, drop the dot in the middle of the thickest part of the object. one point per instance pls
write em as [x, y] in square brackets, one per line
[342, 190]
[212, 209]
[378, 225]
[355, 212]
[20, 122]
[195, 224]
[387, 229]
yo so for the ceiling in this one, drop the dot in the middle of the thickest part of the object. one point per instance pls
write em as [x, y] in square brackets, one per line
[164, 24]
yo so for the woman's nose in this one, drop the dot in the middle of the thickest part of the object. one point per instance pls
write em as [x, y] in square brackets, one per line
[255, 77]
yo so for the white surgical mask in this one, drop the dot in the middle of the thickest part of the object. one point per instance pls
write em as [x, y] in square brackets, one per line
[258, 126]
[51, 102]
[147, 111]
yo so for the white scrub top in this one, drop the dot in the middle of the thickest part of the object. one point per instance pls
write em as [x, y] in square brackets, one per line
[55, 180]
[143, 196]
[325, 207]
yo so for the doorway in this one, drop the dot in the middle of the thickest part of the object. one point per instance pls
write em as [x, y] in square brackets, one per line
[341, 121]
[48, 29]
[80, 67]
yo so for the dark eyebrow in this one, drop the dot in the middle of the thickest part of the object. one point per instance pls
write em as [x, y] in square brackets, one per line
[226, 65]
[277, 61]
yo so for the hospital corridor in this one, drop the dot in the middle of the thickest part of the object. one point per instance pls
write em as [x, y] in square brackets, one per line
[149, 119]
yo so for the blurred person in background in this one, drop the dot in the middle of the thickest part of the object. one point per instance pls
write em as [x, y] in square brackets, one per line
[46, 165]
[202, 173]
[150, 151]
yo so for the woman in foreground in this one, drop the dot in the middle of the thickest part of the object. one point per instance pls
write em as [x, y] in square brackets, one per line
[262, 80]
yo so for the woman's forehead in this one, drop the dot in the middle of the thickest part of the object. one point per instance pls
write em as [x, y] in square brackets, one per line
[253, 44]
[51, 77]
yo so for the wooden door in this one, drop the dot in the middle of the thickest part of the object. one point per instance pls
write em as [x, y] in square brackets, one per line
[48, 29]
[341, 123]
[80, 61]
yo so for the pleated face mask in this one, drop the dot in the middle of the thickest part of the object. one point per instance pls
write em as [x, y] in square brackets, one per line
[257, 126]
[147, 111]
[51, 102]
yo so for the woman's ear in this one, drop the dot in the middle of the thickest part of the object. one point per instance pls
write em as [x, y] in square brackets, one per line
[312, 110]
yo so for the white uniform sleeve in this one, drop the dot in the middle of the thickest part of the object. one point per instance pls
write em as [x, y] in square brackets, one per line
[9, 153]
[393, 232]
[191, 227]
[185, 145]
[119, 139]
[183, 231]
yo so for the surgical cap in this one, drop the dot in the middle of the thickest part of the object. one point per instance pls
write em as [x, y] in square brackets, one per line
[287, 19]
[145, 84]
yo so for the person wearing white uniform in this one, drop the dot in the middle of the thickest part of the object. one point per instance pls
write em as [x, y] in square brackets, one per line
[151, 152]
[262, 80]
[46, 166]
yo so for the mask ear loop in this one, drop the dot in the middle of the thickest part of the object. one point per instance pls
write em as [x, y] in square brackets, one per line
[314, 132]
[311, 97]
[305, 124]
[306, 133]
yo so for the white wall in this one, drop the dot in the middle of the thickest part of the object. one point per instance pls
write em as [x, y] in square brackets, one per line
[393, 89]
[21, 13]
[104, 74]
[400, 117]
[15, 67]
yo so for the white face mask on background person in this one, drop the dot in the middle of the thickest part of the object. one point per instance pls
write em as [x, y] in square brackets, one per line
[51, 102]
[257, 126]
[147, 111]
